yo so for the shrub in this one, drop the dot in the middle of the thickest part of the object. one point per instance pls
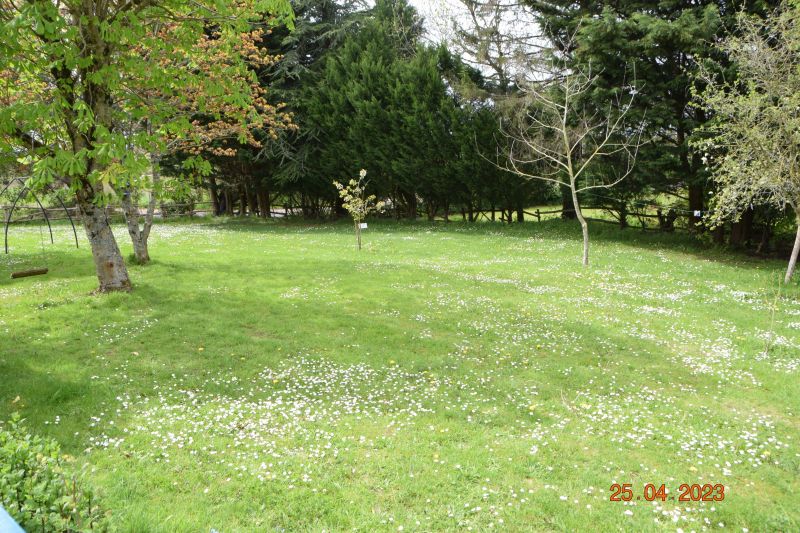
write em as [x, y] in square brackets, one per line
[178, 208]
[39, 489]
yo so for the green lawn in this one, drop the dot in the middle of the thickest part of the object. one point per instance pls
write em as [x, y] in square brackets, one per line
[268, 377]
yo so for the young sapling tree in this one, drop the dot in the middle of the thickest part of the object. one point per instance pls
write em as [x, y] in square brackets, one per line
[357, 203]
[555, 136]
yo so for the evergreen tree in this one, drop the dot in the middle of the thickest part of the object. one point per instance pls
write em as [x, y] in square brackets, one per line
[658, 43]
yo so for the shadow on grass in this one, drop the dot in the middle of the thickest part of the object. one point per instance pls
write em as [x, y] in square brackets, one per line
[40, 391]
[60, 265]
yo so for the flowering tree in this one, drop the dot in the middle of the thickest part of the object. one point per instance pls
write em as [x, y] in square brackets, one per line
[71, 72]
[752, 145]
[356, 201]
[218, 127]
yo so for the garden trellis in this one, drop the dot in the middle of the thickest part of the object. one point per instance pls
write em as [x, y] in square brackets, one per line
[23, 191]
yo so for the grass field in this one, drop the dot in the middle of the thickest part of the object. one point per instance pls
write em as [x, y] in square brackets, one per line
[268, 377]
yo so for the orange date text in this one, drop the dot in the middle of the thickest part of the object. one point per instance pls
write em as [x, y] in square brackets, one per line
[686, 493]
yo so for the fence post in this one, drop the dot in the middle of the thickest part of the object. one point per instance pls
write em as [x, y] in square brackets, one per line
[538, 216]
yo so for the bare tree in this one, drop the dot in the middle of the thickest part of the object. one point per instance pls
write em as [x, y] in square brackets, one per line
[555, 135]
[494, 36]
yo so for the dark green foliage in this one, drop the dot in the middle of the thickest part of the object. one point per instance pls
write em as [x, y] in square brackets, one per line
[390, 105]
[38, 487]
[366, 94]
[657, 44]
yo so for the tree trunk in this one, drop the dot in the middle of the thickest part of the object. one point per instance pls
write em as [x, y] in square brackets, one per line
[109, 265]
[763, 243]
[567, 204]
[411, 213]
[742, 230]
[228, 202]
[747, 226]
[338, 208]
[695, 204]
[446, 211]
[623, 215]
[213, 192]
[140, 250]
[795, 252]
[719, 234]
[584, 226]
[358, 235]
[242, 202]
[252, 202]
[139, 237]
[264, 207]
[666, 222]
[737, 231]
[215, 208]
[520, 212]
[431, 211]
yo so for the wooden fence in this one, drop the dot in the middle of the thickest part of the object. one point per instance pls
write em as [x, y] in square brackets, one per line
[31, 213]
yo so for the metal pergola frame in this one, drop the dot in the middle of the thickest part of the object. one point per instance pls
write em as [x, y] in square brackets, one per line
[22, 192]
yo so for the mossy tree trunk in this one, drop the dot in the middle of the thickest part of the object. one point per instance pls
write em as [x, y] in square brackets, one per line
[112, 274]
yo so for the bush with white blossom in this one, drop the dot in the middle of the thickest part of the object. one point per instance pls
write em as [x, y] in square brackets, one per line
[356, 201]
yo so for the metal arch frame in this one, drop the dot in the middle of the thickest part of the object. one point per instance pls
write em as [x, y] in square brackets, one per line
[25, 188]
